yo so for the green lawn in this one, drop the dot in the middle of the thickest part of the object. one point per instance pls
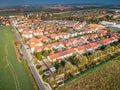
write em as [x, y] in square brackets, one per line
[13, 75]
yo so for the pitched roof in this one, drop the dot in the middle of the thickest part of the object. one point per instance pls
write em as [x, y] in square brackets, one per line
[54, 35]
[80, 48]
[96, 26]
[57, 55]
[34, 40]
[93, 45]
[76, 27]
[43, 38]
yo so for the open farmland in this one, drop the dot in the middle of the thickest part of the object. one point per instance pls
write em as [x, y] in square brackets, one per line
[104, 78]
[13, 75]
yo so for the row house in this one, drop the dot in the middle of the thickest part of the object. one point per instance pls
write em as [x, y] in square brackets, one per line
[64, 35]
[81, 49]
[81, 32]
[87, 48]
[55, 46]
[107, 41]
[67, 53]
[87, 30]
[74, 33]
[61, 55]
[64, 44]
[115, 38]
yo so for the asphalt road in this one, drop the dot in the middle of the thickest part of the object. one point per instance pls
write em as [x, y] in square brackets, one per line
[29, 59]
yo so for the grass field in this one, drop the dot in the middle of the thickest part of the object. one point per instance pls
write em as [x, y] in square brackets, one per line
[13, 75]
[104, 78]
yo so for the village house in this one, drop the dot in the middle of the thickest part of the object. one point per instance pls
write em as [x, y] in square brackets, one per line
[38, 32]
[33, 43]
[27, 34]
[54, 36]
[21, 27]
[43, 38]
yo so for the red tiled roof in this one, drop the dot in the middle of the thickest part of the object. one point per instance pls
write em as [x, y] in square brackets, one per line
[93, 35]
[93, 45]
[77, 27]
[87, 46]
[107, 40]
[94, 26]
[57, 55]
[63, 33]
[37, 48]
[80, 48]
[54, 35]
[34, 40]
[26, 31]
[43, 38]
[86, 29]
[103, 41]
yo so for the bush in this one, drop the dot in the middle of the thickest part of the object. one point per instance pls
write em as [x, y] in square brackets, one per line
[68, 76]
[39, 55]
[38, 66]
[40, 71]
[35, 61]
[62, 63]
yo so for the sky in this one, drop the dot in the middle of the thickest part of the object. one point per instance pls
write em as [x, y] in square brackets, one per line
[4, 3]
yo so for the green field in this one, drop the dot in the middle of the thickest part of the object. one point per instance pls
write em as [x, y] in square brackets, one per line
[104, 78]
[13, 75]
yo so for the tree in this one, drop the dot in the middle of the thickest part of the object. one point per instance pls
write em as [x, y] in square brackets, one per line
[63, 63]
[60, 70]
[40, 71]
[57, 65]
[35, 61]
[103, 47]
[68, 67]
[38, 66]
[38, 55]
[45, 53]
[74, 60]
[68, 76]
